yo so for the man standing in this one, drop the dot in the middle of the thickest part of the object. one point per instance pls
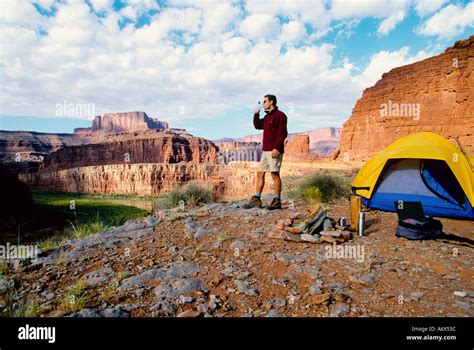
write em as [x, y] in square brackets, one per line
[274, 135]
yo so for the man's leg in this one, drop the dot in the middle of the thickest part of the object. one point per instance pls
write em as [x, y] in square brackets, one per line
[255, 200]
[276, 202]
[260, 182]
[276, 183]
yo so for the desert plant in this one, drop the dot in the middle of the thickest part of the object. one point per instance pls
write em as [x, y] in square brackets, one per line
[190, 195]
[109, 294]
[330, 186]
[75, 298]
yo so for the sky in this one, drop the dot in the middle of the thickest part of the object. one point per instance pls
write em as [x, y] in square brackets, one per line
[204, 65]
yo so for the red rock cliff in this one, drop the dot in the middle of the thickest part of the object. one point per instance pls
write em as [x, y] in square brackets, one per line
[436, 94]
[150, 146]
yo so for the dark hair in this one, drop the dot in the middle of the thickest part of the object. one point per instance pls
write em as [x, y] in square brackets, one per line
[272, 98]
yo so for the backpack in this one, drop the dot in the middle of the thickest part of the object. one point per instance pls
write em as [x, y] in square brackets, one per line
[418, 230]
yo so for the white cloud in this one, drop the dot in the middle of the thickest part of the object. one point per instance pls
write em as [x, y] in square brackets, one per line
[341, 9]
[129, 12]
[20, 13]
[390, 23]
[235, 45]
[101, 5]
[292, 32]
[259, 26]
[452, 20]
[427, 7]
[384, 61]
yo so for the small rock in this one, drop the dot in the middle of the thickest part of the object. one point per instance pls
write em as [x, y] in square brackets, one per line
[366, 280]
[189, 313]
[177, 288]
[415, 296]
[278, 302]
[465, 306]
[202, 308]
[48, 295]
[86, 313]
[461, 294]
[98, 276]
[114, 312]
[238, 245]
[321, 298]
[297, 215]
[165, 306]
[151, 221]
[6, 284]
[310, 238]
[339, 309]
[315, 290]
[287, 236]
[275, 313]
[244, 287]
[185, 299]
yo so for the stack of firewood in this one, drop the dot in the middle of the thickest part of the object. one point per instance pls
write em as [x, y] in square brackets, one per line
[298, 228]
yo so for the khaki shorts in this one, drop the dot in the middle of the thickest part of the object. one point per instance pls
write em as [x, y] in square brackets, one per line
[269, 164]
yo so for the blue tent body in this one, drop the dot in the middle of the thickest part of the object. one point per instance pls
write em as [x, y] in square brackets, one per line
[428, 181]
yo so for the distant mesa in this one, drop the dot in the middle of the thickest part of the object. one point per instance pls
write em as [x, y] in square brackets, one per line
[122, 122]
[322, 142]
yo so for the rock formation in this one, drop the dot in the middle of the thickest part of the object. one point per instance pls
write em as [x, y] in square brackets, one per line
[322, 142]
[436, 94]
[232, 151]
[122, 122]
[145, 179]
[297, 145]
[32, 146]
[150, 146]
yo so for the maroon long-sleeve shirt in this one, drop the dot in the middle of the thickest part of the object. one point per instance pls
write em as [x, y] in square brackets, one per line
[274, 129]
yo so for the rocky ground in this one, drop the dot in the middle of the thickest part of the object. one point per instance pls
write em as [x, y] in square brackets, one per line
[216, 261]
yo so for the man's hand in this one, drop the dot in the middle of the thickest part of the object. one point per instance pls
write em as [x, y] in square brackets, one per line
[257, 109]
[275, 153]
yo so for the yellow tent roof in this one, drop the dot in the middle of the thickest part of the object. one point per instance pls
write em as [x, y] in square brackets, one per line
[422, 145]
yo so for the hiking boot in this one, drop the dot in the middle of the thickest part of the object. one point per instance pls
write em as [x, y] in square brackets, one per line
[276, 204]
[254, 202]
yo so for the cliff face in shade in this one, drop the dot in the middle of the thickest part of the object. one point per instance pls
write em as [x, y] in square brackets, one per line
[16, 196]
[31, 146]
[150, 146]
[122, 122]
[436, 94]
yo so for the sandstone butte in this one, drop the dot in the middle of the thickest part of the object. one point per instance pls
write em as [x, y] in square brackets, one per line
[440, 88]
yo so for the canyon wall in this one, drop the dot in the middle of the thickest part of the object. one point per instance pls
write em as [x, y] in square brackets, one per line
[144, 179]
[436, 94]
[150, 146]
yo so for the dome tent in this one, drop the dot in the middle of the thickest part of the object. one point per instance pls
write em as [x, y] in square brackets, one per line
[422, 167]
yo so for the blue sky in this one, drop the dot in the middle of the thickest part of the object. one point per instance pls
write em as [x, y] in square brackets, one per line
[203, 65]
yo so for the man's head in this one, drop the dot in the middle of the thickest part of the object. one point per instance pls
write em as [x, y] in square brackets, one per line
[269, 102]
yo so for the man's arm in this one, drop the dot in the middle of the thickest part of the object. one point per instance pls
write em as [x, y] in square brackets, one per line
[257, 122]
[282, 133]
